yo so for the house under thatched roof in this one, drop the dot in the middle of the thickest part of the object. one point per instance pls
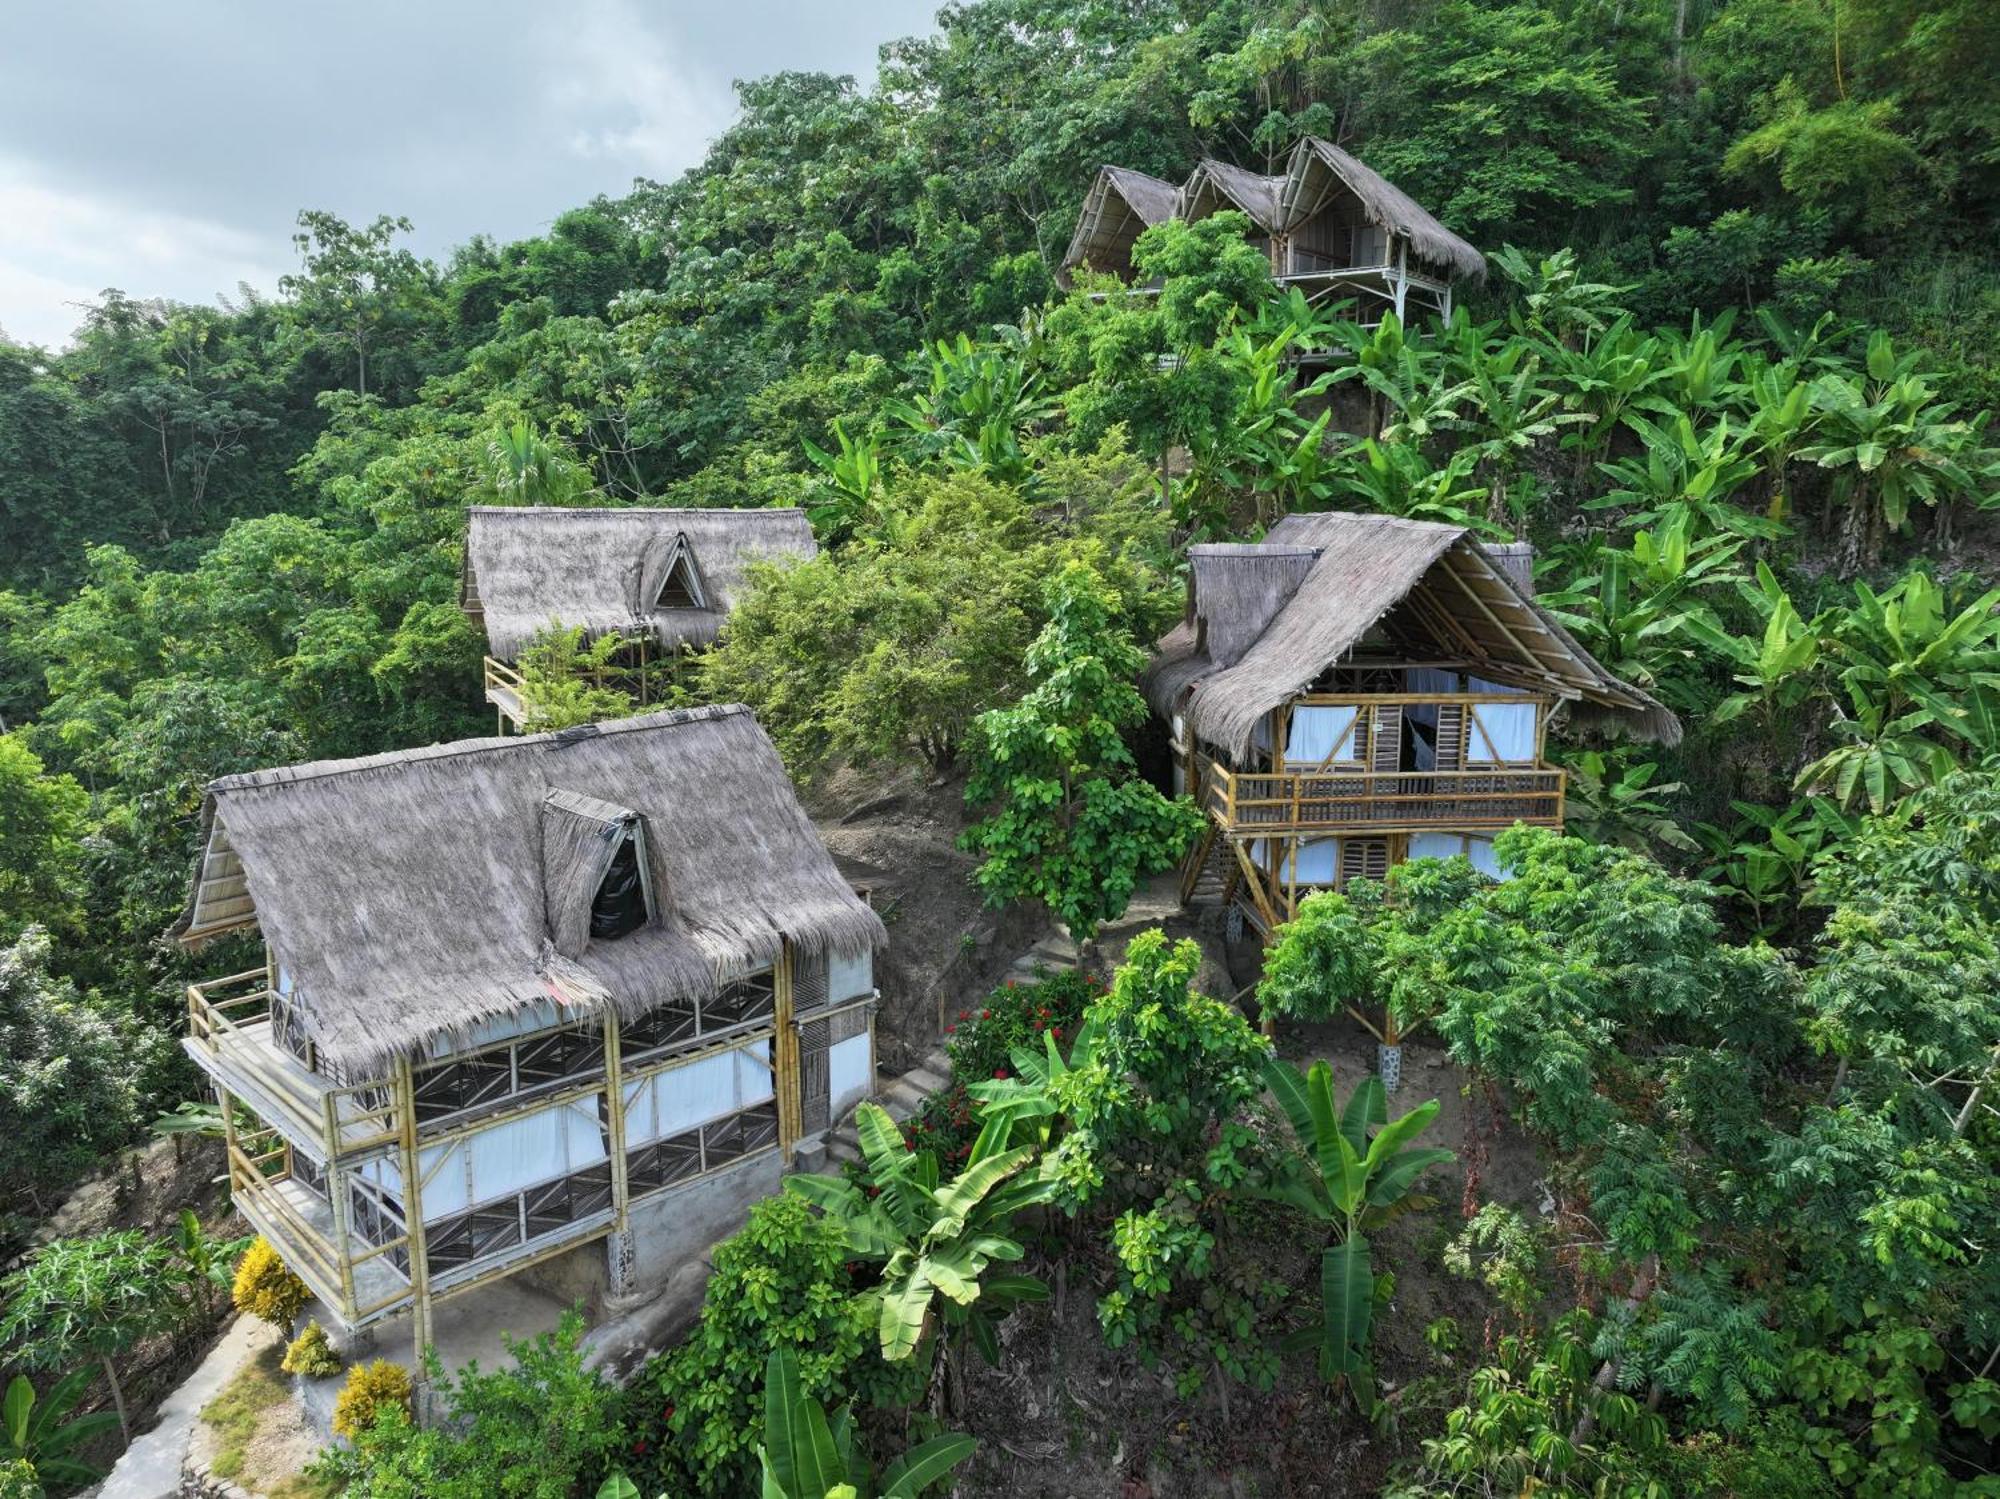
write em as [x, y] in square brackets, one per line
[1321, 175]
[1266, 620]
[411, 896]
[670, 575]
[1122, 204]
[1323, 192]
[1216, 186]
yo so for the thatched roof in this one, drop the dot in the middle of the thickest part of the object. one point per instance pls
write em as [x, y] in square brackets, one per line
[603, 569]
[1298, 620]
[1216, 185]
[1317, 174]
[1121, 205]
[1319, 169]
[413, 895]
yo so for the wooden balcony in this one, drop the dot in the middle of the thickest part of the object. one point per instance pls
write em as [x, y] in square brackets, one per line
[1367, 801]
[503, 691]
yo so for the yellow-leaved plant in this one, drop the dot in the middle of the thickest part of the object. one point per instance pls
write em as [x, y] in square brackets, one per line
[265, 1288]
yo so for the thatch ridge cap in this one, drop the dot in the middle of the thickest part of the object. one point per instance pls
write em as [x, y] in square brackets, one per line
[319, 770]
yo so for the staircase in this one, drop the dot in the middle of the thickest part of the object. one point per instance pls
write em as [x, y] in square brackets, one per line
[1051, 954]
[1212, 883]
[901, 1098]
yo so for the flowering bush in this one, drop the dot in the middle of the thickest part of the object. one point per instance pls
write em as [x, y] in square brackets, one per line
[979, 1042]
[1017, 1014]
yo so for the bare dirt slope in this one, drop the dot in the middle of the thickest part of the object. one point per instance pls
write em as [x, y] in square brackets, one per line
[898, 838]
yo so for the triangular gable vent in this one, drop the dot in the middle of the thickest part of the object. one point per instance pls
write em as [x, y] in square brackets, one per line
[681, 588]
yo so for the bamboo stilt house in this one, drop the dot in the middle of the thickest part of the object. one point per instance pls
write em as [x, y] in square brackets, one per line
[1357, 690]
[1330, 224]
[664, 579]
[523, 995]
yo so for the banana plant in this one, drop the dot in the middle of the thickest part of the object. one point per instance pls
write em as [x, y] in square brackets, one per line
[935, 1240]
[1892, 445]
[850, 488]
[1765, 859]
[1423, 400]
[1397, 479]
[1780, 419]
[806, 1456]
[1775, 670]
[1515, 412]
[1615, 803]
[1029, 1096]
[1633, 612]
[1603, 381]
[1685, 474]
[37, 1429]
[1356, 1170]
[1921, 672]
[1698, 369]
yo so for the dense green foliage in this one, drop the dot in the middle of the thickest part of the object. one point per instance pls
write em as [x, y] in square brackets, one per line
[1072, 824]
[538, 1430]
[1732, 375]
[784, 1281]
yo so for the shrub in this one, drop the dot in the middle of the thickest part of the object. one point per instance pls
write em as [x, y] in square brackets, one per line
[311, 1354]
[784, 1281]
[545, 1429]
[1016, 1014]
[980, 1044]
[370, 1390]
[265, 1288]
[18, 1481]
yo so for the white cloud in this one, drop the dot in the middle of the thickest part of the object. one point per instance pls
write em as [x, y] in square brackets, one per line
[633, 94]
[62, 247]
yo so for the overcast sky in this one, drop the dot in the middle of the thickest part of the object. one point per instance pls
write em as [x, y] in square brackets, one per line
[164, 146]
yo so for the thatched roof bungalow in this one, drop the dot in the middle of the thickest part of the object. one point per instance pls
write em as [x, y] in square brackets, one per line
[523, 996]
[1265, 621]
[1357, 690]
[411, 897]
[1330, 224]
[669, 576]
[1122, 204]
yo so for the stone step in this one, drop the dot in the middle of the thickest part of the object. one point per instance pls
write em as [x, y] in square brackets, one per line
[925, 1080]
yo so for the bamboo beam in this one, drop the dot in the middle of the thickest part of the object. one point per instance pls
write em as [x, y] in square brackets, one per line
[786, 1044]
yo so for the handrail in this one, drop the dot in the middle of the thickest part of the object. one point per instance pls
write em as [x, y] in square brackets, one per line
[340, 1119]
[1363, 799]
[500, 674]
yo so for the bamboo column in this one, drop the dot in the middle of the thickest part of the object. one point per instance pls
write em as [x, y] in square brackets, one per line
[413, 1213]
[786, 1044]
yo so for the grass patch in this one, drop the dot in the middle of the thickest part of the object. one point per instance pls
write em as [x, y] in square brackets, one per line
[239, 1412]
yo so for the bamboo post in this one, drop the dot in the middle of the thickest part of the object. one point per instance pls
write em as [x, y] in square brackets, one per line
[413, 1213]
[619, 1256]
[786, 1044]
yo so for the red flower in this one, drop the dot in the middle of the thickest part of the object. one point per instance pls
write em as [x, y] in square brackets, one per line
[951, 1030]
[1010, 985]
[985, 1014]
[1000, 1072]
[667, 1414]
[1057, 1033]
[640, 1446]
[965, 1014]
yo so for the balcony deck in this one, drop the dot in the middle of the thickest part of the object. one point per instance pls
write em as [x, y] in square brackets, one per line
[1367, 801]
[229, 1038]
